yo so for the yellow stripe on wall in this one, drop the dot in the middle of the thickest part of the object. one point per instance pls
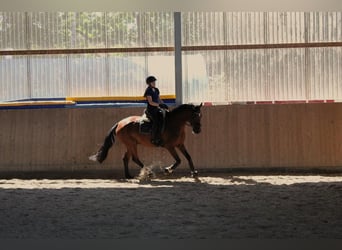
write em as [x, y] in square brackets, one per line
[35, 103]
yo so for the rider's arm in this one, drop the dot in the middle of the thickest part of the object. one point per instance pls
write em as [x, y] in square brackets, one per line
[152, 103]
[160, 100]
[162, 104]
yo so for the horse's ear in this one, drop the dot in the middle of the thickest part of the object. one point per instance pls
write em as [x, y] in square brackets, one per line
[201, 104]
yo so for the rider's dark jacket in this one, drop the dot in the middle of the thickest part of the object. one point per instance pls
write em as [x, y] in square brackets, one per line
[154, 93]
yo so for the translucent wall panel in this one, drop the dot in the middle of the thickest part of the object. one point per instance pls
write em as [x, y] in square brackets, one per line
[223, 28]
[208, 75]
[246, 74]
[325, 73]
[87, 75]
[119, 75]
[287, 74]
[265, 74]
[324, 26]
[162, 66]
[48, 76]
[127, 73]
[139, 29]
[203, 28]
[47, 30]
[234, 75]
[122, 29]
[195, 77]
[156, 29]
[244, 27]
[13, 30]
[86, 30]
[52, 76]
[284, 27]
[84, 75]
[250, 75]
[13, 78]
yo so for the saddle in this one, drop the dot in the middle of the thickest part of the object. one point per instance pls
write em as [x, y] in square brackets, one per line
[145, 123]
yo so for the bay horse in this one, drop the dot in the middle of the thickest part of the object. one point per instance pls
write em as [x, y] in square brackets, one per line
[173, 136]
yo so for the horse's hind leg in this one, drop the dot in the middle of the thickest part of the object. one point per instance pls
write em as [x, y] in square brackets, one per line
[138, 162]
[125, 161]
[182, 148]
[135, 156]
[131, 152]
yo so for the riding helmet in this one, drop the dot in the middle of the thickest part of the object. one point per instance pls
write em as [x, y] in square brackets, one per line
[150, 79]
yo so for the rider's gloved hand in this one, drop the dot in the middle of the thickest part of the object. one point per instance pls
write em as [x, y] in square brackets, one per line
[163, 106]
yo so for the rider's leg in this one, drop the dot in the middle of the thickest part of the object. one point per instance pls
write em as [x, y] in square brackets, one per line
[156, 129]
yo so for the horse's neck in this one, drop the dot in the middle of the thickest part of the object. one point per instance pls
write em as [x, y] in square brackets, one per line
[177, 119]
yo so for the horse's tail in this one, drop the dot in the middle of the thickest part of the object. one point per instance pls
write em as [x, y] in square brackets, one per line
[101, 155]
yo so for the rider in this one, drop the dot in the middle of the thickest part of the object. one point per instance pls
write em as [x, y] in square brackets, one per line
[153, 111]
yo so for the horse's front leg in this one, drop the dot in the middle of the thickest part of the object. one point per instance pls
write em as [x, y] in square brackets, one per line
[174, 154]
[194, 172]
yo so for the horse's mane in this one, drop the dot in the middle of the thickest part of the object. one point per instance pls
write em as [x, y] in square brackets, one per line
[183, 107]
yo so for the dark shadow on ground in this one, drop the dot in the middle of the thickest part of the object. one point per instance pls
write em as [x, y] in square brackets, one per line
[175, 210]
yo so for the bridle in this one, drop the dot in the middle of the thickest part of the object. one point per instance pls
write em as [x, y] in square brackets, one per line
[195, 121]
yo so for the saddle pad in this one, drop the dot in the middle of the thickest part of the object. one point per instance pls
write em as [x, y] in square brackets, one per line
[145, 126]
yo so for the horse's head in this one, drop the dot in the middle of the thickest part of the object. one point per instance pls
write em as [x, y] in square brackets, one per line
[187, 114]
[195, 119]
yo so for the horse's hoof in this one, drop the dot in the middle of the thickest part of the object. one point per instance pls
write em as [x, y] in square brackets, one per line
[194, 173]
[129, 177]
[168, 170]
